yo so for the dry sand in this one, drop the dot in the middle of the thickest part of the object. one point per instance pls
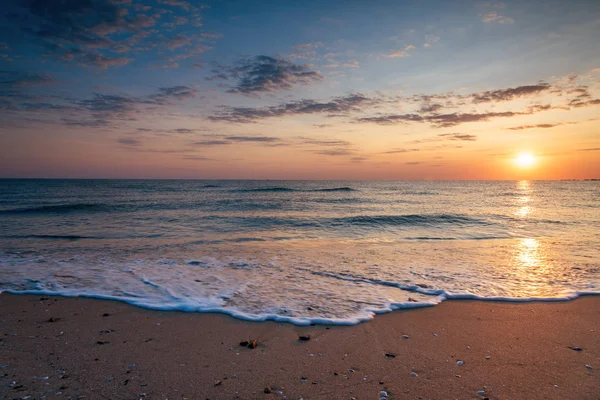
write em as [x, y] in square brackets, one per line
[84, 354]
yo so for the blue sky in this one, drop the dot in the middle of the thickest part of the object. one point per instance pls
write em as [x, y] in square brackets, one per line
[312, 89]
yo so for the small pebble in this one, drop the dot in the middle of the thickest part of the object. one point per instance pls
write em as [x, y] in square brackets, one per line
[404, 336]
[413, 374]
[459, 363]
[487, 357]
[588, 366]
[435, 334]
[481, 393]
[383, 394]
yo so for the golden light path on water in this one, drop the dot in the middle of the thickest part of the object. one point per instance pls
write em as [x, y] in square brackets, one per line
[529, 260]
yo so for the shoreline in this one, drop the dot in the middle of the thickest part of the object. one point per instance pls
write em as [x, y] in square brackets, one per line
[313, 321]
[508, 350]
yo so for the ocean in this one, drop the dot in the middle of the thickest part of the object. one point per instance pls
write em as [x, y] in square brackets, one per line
[331, 252]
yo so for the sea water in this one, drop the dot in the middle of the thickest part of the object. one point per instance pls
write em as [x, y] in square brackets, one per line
[300, 251]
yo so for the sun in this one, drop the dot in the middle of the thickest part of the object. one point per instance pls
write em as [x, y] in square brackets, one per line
[525, 160]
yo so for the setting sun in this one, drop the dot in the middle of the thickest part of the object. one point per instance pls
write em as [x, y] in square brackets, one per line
[525, 160]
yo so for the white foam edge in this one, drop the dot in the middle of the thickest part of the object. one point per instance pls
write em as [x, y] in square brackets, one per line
[366, 315]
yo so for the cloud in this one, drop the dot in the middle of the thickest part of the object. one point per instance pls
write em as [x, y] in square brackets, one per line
[176, 3]
[93, 32]
[397, 151]
[413, 162]
[178, 41]
[400, 53]
[496, 17]
[438, 120]
[336, 106]
[590, 149]
[129, 141]
[14, 78]
[458, 136]
[213, 142]
[103, 62]
[431, 40]
[265, 74]
[335, 152]
[259, 139]
[180, 92]
[320, 142]
[509, 94]
[223, 140]
[197, 158]
[580, 103]
[543, 126]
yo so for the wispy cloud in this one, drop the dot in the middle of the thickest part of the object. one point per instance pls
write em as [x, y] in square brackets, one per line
[458, 136]
[336, 106]
[400, 53]
[431, 40]
[496, 17]
[261, 74]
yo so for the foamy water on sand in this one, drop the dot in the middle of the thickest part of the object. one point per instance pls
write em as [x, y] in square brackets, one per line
[304, 252]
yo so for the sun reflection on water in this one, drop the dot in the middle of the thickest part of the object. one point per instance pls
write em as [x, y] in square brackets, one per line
[528, 253]
[523, 210]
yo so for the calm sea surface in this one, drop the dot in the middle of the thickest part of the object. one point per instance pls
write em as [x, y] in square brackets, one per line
[299, 251]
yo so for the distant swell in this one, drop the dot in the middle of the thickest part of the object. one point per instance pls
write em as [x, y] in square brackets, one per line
[286, 189]
[339, 189]
[49, 237]
[267, 189]
[61, 208]
[411, 219]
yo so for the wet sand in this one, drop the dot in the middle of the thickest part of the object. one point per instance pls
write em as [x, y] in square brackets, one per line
[54, 347]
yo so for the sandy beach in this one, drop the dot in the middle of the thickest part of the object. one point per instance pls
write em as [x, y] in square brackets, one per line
[72, 348]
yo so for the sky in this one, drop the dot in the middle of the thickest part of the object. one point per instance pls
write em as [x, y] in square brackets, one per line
[299, 90]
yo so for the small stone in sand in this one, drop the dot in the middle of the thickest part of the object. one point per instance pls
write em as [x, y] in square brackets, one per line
[106, 314]
[253, 344]
[413, 374]
[53, 319]
[459, 363]
[481, 392]
[404, 336]
[412, 300]
[383, 394]
[576, 348]
[303, 338]
[487, 357]
[244, 343]
[217, 383]
[588, 366]
[267, 390]
[390, 355]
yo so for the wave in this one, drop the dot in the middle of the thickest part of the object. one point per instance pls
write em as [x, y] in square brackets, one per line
[409, 219]
[286, 189]
[266, 189]
[208, 305]
[60, 208]
[50, 237]
[338, 189]
[211, 186]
